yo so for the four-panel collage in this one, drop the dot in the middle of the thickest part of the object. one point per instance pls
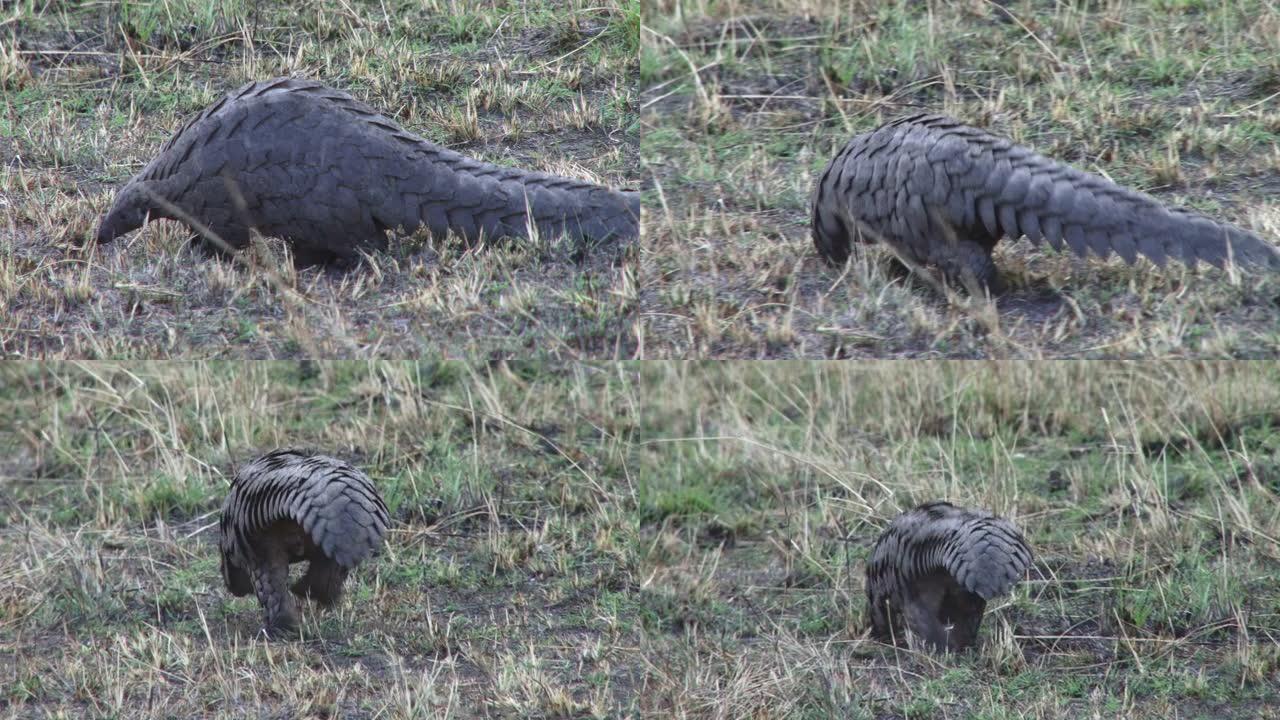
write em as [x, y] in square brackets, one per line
[640, 359]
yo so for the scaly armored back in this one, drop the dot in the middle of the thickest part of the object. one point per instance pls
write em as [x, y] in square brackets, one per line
[289, 506]
[311, 164]
[943, 193]
[935, 567]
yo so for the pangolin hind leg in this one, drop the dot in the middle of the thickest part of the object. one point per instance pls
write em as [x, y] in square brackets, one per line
[923, 611]
[271, 582]
[962, 613]
[322, 581]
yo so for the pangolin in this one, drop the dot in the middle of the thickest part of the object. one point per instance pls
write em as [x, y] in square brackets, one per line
[943, 193]
[301, 161]
[936, 566]
[288, 506]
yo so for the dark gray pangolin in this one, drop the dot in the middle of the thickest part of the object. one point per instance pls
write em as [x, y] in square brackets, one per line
[311, 164]
[943, 193]
[936, 567]
[288, 506]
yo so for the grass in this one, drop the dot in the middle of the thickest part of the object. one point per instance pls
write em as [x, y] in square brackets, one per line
[89, 91]
[645, 540]
[745, 101]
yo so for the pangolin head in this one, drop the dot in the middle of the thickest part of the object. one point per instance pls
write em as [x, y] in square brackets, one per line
[129, 212]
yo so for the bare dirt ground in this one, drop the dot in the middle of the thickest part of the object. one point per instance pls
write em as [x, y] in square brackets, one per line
[744, 103]
[91, 90]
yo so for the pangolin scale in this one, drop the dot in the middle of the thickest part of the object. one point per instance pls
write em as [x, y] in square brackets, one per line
[943, 193]
[289, 506]
[934, 569]
[301, 161]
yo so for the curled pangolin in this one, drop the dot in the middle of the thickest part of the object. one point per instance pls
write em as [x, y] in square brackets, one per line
[311, 164]
[943, 193]
[286, 507]
[936, 566]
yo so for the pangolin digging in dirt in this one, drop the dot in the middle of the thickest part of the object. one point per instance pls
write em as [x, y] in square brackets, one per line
[312, 165]
[288, 506]
[943, 193]
[936, 567]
